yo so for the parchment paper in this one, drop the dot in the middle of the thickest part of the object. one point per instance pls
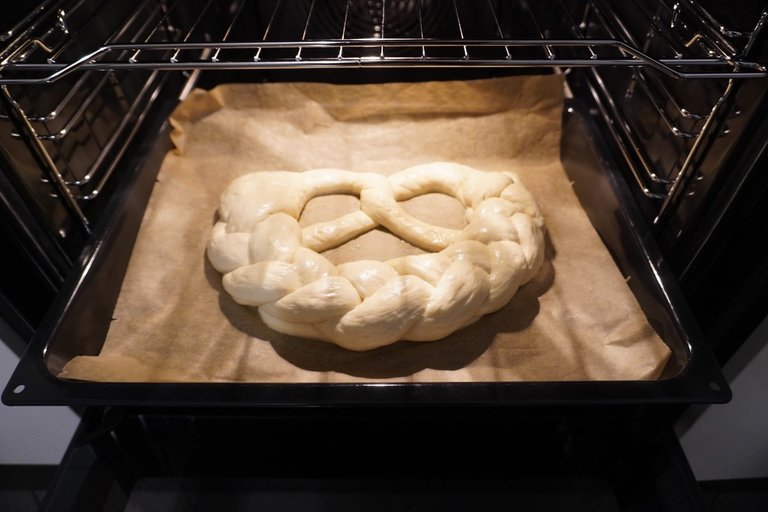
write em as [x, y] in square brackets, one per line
[577, 320]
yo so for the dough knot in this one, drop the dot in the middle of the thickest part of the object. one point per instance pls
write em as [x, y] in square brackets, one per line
[270, 261]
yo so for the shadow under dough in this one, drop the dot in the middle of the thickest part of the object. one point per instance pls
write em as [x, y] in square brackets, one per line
[402, 358]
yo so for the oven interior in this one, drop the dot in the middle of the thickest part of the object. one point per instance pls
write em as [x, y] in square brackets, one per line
[663, 121]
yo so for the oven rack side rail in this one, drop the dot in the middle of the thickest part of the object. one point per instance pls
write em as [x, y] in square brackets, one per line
[49, 48]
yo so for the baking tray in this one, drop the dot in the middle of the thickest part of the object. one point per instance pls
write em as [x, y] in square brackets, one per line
[79, 319]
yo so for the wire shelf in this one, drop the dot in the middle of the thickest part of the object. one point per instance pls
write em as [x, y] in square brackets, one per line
[82, 54]
[290, 34]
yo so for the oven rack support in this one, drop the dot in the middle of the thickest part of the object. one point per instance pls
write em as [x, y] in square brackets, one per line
[673, 184]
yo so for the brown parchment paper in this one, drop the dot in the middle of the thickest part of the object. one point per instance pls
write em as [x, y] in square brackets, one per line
[577, 320]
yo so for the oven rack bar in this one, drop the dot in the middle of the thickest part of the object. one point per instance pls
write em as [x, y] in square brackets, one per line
[12, 73]
[694, 52]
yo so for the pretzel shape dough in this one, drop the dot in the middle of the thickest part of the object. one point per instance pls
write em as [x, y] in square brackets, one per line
[270, 262]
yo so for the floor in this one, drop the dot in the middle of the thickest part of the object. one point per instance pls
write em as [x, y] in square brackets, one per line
[736, 495]
[22, 489]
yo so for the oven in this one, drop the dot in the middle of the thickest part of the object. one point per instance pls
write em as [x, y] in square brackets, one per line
[663, 136]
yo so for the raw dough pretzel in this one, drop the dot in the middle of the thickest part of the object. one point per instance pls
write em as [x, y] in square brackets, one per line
[269, 261]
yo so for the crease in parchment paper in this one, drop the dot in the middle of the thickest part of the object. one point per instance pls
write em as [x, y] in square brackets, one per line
[576, 320]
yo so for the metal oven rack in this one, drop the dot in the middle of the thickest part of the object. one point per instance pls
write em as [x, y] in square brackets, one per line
[336, 39]
[679, 40]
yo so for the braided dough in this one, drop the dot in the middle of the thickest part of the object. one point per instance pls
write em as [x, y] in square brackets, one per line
[269, 261]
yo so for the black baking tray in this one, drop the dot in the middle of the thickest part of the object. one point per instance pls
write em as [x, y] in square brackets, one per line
[78, 321]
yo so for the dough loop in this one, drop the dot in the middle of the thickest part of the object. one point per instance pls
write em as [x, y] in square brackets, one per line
[269, 261]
